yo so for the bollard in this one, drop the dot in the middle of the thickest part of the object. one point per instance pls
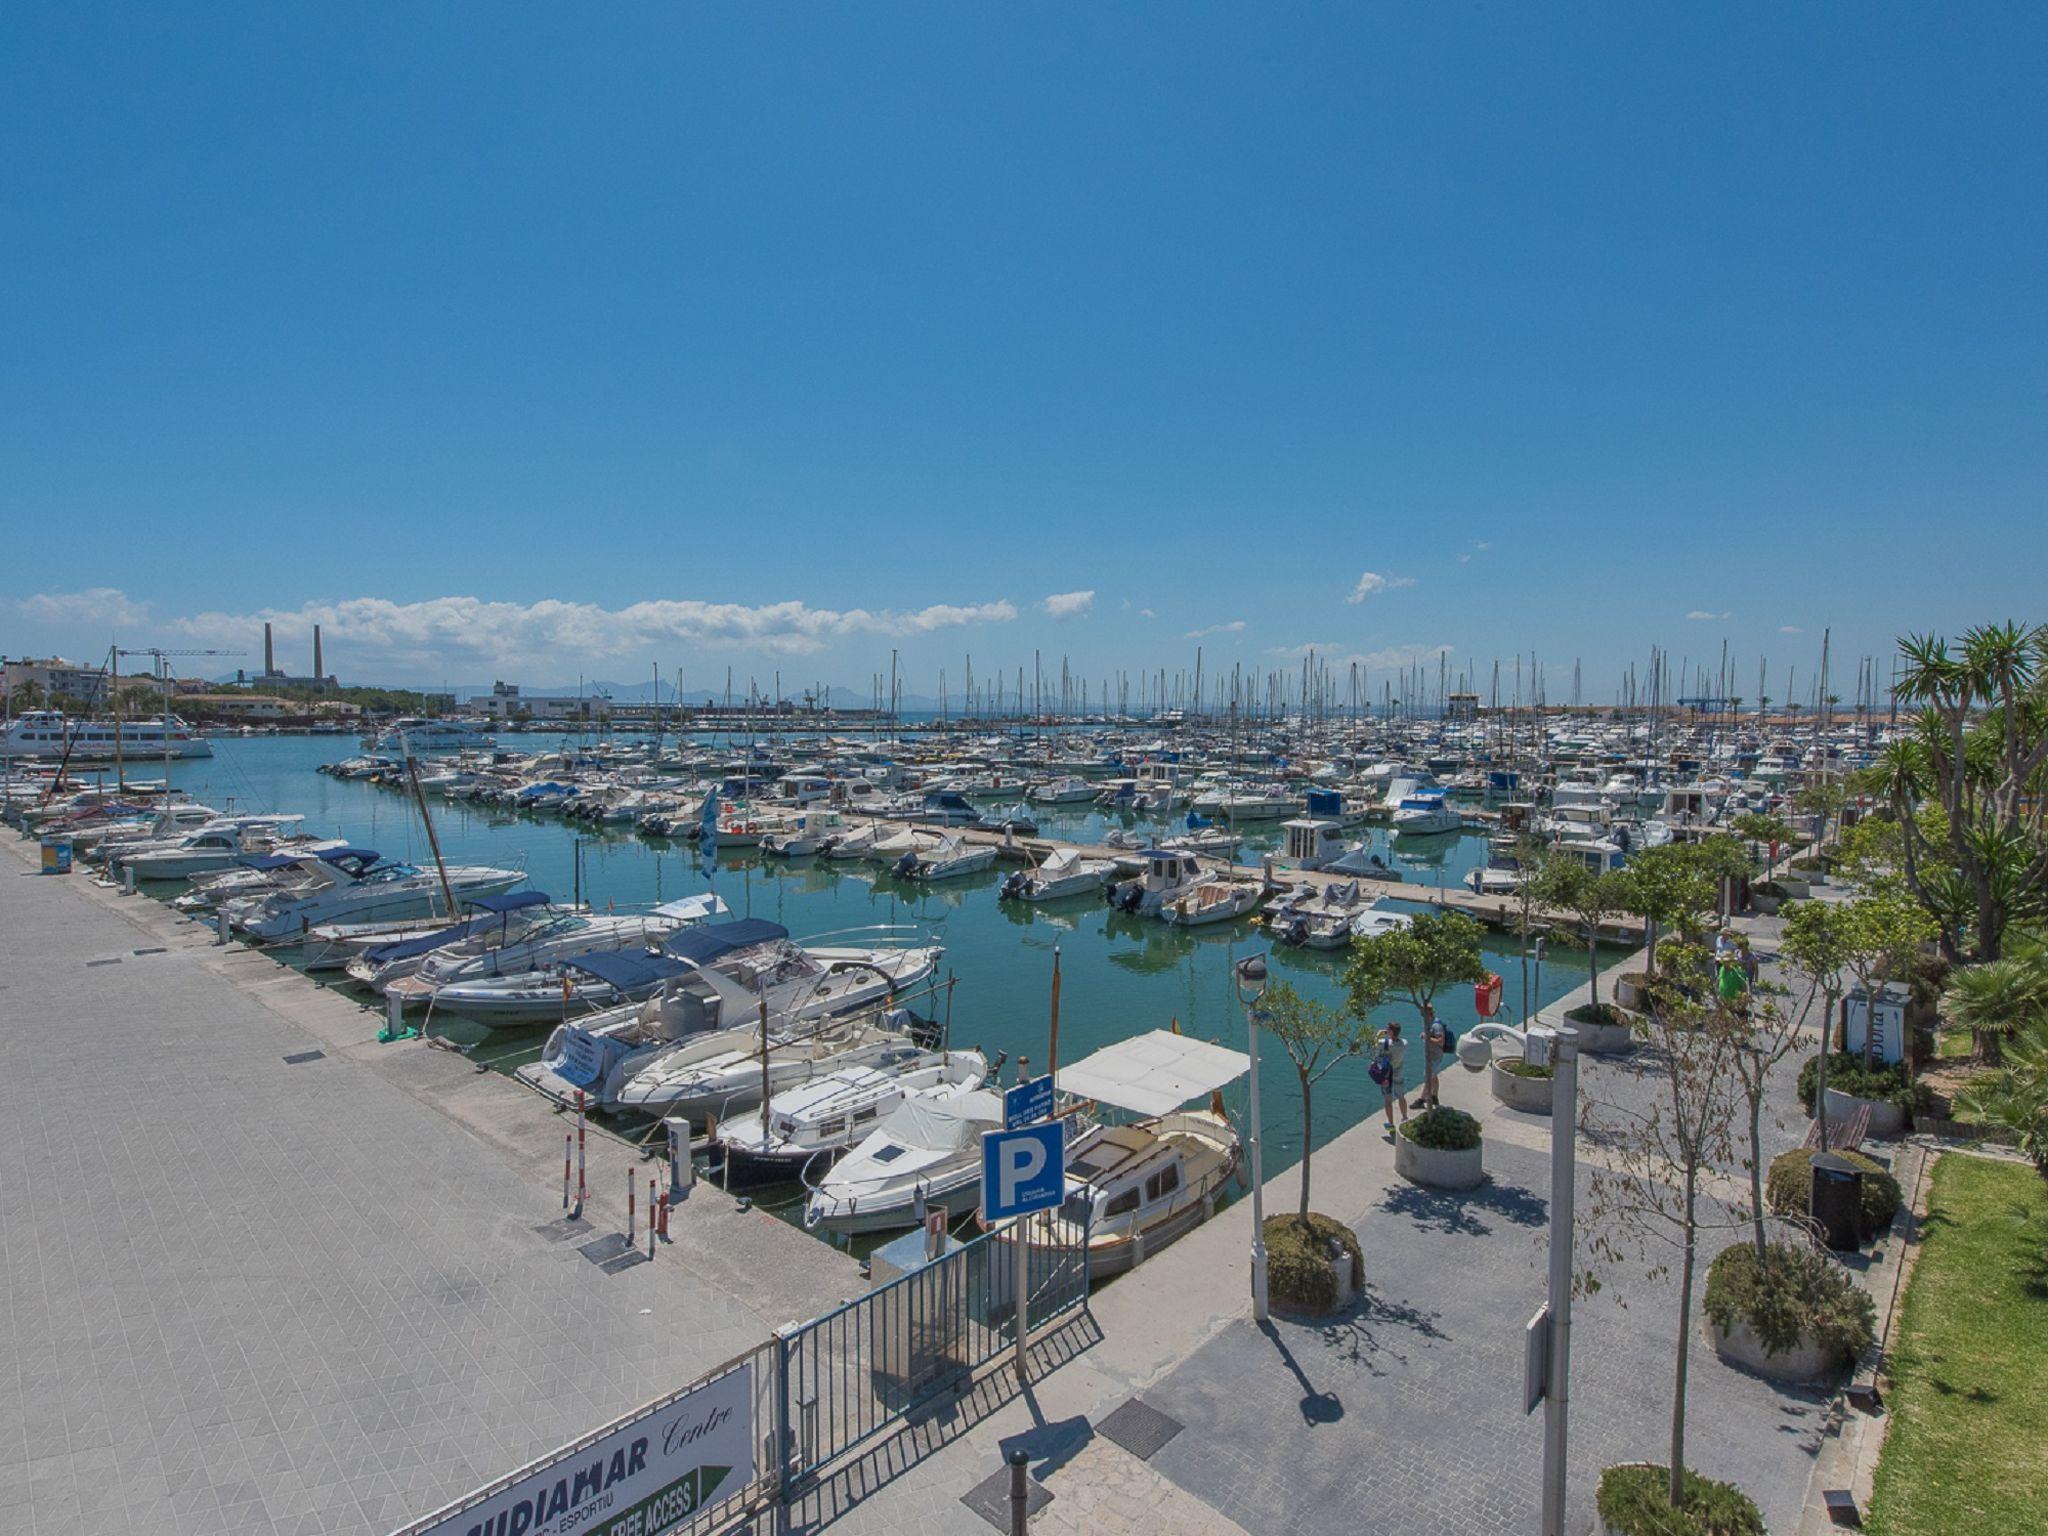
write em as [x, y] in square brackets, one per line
[664, 1218]
[650, 1218]
[394, 1013]
[632, 1224]
[568, 1145]
[128, 877]
[1020, 1497]
[582, 1188]
[220, 927]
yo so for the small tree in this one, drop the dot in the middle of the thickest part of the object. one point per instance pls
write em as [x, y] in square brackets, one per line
[1530, 855]
[1648, 1193]
[1887, 933]
[1435, 950]
[1590, 896]
[1821, 798]
[1762, 827]
[1762, 1039]
[1816, 945]
[1317, 1038]
[1667, 887]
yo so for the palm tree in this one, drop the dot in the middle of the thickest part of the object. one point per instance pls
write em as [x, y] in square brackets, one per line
[1998, 999]
[2015, 1096]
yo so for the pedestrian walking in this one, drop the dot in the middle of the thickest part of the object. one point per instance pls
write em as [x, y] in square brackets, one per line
[1436, 1039]
[1390, 1051]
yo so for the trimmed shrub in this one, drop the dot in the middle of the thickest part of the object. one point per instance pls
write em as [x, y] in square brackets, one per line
[1514, 1066]
[1298, 1260]
[1597, 1013]
[1770, 888]
[1793, 1293]
[1788, 1188]
[1848, 1074]
[1443, 1130]
[1634, 1501]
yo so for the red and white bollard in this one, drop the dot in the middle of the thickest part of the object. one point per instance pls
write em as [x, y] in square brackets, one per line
[568, 1146]
[631, 1224]
[650, 1218]
[664, 1218]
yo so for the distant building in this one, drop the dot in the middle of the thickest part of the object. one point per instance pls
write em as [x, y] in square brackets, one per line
[505, 701]
[55, 679]
[320, 682]
[239, 706]
[1462, 706]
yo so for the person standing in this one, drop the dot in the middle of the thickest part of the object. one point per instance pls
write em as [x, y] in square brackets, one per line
[1393, 1051]
[1434, 1038]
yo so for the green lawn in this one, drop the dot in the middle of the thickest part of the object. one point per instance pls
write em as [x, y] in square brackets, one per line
[1967, 1454]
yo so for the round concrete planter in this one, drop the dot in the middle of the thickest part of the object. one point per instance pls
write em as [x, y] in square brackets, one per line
[1604, 1039]
[1343, 1275]
[1531, 1095]
[1796, 889]
[1435, 1168]
[1762, 905]
[1631, 994]
[1886, 1119]
[1805, 1361]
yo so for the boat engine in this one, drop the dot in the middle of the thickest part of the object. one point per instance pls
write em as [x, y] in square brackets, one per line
[905, 866]
[1013, 887]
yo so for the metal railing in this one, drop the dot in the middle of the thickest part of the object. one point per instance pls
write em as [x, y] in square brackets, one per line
[854, 1372]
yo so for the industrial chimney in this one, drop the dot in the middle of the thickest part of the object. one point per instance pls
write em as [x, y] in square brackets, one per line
[318, 671]
[269, 660]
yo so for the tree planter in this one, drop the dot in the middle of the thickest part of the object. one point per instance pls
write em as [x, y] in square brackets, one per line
[1344, 1281]
[1804, 1362]
[1886, 1118]
[1605, 1039]
[1632, 991]
[1796, 889]
[1531, 1095]
[1766, 906]
[1312, 1277]
[1436, 1168]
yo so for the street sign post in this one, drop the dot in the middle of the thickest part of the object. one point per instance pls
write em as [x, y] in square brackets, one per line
[1022, 1171]
[1028, 1102]
[1536, 1359]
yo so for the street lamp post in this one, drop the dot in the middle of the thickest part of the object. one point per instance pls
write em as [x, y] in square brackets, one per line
[1251, 986]
[1564, 1117]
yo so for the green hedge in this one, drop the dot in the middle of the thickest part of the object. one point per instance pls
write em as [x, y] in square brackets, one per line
[1848, 1074]
[1443, 1130]
[1514, 1066]
[1298, 1260]
[1792, 1292]
[1788, 1188]
[1597, 1013]
[1635, 1501]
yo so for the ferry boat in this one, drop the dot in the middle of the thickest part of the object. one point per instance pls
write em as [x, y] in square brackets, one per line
[420, 735]
[49, 733]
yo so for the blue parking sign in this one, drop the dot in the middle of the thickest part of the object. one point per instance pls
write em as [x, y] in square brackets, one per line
[1022, 1171]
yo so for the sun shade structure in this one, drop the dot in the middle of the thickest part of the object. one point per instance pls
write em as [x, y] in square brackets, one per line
[1153, 1074]
[703, 945]
[690, 908]
[625, 969]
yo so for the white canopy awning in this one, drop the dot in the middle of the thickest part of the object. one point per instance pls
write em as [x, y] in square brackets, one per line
[1153, 1074]
[690, 909]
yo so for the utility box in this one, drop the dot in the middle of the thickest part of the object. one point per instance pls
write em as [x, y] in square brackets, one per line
[1836, 1202]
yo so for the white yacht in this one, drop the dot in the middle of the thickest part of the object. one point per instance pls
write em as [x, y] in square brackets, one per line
[1165, 875]
[414, 734]
[1068, 791]
[1216, 899]
[952, 859]
[221, 845]
[1426, 813]
[49, 733]
[332, 894]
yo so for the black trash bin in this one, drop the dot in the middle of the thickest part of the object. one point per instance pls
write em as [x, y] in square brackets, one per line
[1836, 1202]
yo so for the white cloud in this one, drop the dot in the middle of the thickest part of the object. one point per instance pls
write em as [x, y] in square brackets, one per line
[446, 627]
[1235, 626]
[1464, 559]
[1387, 659]
[1372, 582]
[1069, 605]
[1481, 544]
[1147, 613]
[95, 605]
[1701, 614]
[1790, 629]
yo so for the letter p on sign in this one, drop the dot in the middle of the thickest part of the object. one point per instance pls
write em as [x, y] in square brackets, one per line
[1022, 1170]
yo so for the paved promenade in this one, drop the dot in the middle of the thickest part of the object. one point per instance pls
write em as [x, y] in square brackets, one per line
[256, 1296]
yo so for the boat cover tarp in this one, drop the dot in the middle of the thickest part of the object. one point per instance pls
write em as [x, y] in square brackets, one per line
[702, 945]
[944, 1125]
[515, 901]
[1153, 1074]
[267, 861]
[630, 970]
[426, 943]
[690, 908]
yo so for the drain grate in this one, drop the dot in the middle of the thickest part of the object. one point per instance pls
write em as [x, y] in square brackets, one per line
[159, 950]
[990, 1498]
[300, 1058]
[564, 1229]
[1140, 1429]
[602, 1250]
[116, 960]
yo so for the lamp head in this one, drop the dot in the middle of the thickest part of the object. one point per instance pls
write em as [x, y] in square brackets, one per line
[1251, 979]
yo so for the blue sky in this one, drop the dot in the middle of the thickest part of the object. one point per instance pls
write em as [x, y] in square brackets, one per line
[535, 341]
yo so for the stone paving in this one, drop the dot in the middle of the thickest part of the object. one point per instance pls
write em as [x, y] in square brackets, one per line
[251, 1297]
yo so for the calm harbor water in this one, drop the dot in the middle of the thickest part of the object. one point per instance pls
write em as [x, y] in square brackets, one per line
[1121, 975]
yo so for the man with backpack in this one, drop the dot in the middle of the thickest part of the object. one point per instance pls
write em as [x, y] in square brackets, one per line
[1436, 1040]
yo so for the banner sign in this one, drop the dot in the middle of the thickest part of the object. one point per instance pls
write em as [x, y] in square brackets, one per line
[637, 1480]
[583, 1058]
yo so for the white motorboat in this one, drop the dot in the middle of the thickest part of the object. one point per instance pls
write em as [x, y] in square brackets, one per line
[416, 735]
[384, 891]
[1067, 791]
[1063, 873]
[1311, 918]
[1426, 813]
[702, 1086]
[951, 860]
[49, 733]
[1165, 875]
[219, 846]
[1495, 882]
[856, 844]
[813, 830]
[809, 1125]
[925, 1156]
[1217, 899]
